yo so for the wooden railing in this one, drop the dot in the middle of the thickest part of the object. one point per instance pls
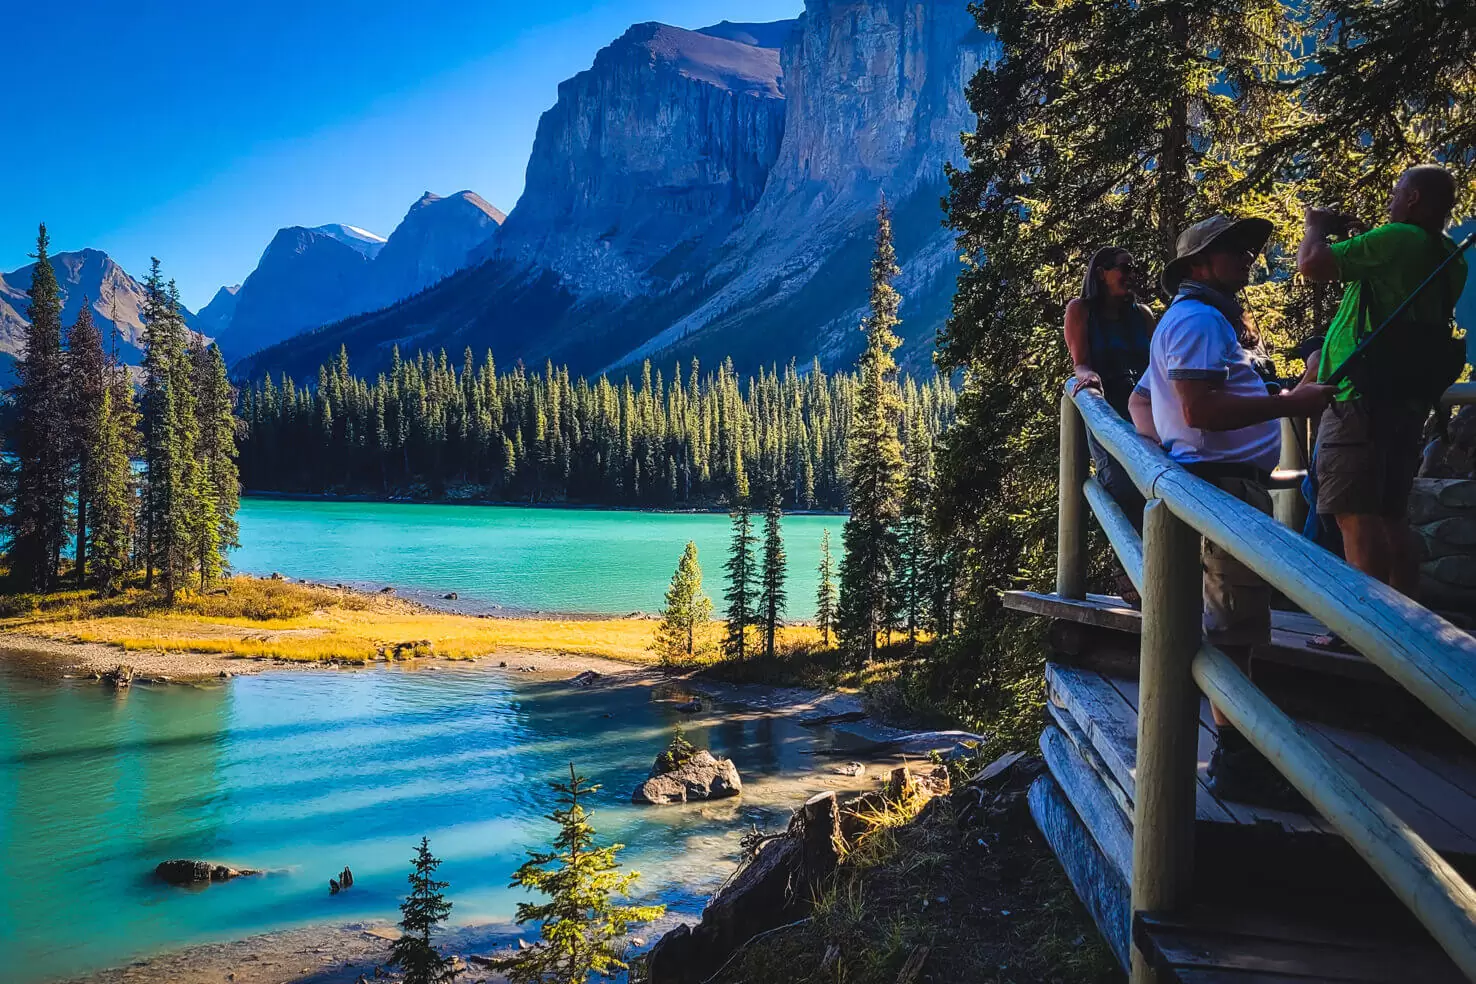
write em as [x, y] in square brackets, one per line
[1432, 659]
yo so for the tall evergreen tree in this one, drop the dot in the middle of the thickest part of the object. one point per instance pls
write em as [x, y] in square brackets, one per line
[157, 421]
[772, 596]
[687, 611]
[423, 910]
[742, 582]
[825, 592]
[215, 526]
[37, 522]
[580, 922]
[87, 378]
[915, 569]
[875, 463]
[112, 491]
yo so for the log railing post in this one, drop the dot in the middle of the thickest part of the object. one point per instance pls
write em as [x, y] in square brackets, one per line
[1071, 530]
[1168, 721]
[1288, 506]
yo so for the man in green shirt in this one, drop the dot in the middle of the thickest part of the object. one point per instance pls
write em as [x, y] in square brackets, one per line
[1368, 453]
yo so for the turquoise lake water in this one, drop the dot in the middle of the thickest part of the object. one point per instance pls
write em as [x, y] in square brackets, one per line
[554, 560]
[304, 773]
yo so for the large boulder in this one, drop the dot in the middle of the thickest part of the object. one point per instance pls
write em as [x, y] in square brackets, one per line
[182, 872]
[700, 777]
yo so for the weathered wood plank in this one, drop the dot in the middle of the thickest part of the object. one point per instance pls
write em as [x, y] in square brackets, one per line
[1090, 795]
[1290, 631]
[1093, 759]
[1101, 869]
[1438, 812]
[1234, 812]
[1434, 891]
[1097, 883]
[1214, 947]
[1099, 610]
[1110, 724]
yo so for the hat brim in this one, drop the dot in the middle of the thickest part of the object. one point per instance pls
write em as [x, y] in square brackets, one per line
[1249, 234]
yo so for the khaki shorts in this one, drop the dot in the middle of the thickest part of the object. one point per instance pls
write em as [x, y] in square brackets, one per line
[1367, 460]
[1237, 603]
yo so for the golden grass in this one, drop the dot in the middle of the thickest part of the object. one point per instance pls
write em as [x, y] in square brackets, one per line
[275, 619]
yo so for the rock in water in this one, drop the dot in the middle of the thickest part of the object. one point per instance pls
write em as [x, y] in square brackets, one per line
[701, 777]
[585, 679]
[333, 887]
[347, 878]
[182, 872]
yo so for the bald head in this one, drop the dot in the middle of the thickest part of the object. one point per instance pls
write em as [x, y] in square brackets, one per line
[1424, 196]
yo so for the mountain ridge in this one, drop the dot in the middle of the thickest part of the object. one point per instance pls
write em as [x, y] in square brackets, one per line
[672, 212]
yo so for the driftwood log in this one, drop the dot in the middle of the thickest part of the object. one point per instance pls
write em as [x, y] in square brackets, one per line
[775, 888]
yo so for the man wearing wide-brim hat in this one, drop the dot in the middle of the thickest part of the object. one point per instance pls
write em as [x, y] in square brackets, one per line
[1204, 401]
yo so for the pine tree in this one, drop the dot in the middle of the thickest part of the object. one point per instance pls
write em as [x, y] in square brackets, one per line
[37, 523]
[687, 610]
[580, 922]
[87, 382]
[112, 493]
[742, 578]
[214, 523]
[875, 464]
[825, 593]
[423, 910]
[915, 555]
[771, 580]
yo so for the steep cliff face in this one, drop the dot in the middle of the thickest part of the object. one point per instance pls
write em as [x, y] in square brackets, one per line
[668, 139]
[876, 104]
[706, 194]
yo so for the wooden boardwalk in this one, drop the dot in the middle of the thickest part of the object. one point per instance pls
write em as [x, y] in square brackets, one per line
[1246, 853]
[1365, 873]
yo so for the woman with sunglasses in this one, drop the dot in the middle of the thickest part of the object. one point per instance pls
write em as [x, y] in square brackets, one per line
[1108, 333]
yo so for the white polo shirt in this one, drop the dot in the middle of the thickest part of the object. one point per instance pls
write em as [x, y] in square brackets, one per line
[1195, 341]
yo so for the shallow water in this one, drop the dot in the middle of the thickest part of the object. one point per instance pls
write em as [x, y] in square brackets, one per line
[304, 773]
[558, 560]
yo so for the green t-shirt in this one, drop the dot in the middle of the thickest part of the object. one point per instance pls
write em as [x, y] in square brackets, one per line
[1392, 260]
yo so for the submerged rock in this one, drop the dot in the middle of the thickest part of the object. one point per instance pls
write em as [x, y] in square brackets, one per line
[701, 777]
[585, 679]
[182, 872]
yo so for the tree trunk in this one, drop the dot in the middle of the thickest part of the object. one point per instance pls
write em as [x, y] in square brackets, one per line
[81, 538]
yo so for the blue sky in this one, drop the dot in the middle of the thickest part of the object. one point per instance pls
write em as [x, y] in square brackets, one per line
[194, 130]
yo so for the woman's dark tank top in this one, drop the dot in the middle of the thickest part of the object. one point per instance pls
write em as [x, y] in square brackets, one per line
[1119, 351]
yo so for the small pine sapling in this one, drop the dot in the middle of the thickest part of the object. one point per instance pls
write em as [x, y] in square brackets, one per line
[580, 923]
[424, 909]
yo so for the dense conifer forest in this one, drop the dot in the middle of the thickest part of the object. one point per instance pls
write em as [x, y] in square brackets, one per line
[430, 429]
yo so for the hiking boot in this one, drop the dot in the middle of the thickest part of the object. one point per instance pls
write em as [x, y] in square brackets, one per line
[1240, 774]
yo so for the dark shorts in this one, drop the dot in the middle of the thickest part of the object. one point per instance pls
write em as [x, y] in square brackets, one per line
[1367, 459]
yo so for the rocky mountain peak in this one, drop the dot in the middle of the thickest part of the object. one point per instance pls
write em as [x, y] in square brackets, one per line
[772, 35]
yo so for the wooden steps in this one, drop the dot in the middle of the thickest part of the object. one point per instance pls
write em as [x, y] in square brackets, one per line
[1265, 870]
[1216, 946]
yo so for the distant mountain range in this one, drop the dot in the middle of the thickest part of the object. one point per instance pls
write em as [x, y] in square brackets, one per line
[705, 193]
[85, 274]
[692, 194]
[312, 277]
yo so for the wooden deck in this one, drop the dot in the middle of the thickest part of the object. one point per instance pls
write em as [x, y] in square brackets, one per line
[1290, 631]
[1292, 901]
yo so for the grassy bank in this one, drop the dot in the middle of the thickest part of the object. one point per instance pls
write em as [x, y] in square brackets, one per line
[257, 618]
